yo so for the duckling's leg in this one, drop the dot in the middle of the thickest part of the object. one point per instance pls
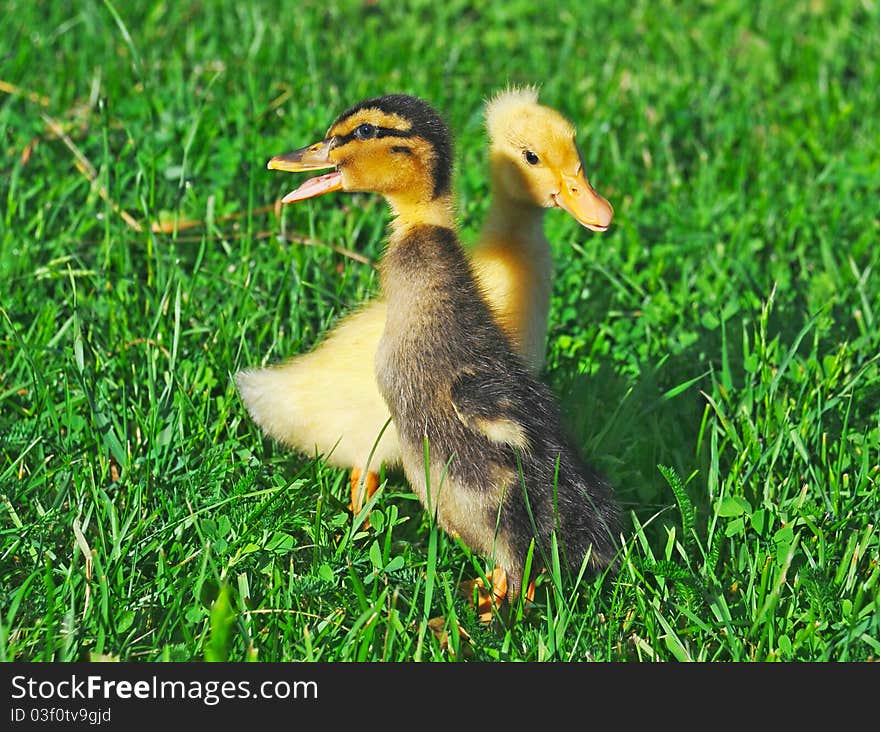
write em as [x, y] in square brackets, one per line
[361, 493]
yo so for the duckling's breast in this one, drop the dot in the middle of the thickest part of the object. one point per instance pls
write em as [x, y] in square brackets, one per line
[437, 328]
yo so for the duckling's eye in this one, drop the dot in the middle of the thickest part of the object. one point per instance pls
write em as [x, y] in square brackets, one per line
[365, 131]
[530, 157]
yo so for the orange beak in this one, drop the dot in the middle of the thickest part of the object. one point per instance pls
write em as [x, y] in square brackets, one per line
[579, 198]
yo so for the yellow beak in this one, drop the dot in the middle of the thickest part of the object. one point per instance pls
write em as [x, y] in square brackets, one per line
[313, 157]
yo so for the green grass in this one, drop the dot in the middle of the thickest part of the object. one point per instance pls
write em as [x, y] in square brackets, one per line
[716, 351]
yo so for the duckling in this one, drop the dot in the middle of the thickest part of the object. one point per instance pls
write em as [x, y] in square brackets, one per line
[480, 437]
[534, 166]
[327, 400]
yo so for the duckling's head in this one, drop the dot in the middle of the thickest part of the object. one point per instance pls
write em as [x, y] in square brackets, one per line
[395, 145]
[535, 159]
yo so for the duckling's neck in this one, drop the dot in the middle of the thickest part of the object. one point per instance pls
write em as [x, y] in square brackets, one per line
[514, 221]
[410, 212]
[422, 243]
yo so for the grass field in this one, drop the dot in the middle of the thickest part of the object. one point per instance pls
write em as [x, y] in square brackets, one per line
[716, 352]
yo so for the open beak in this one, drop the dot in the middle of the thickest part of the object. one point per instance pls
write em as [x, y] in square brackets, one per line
[579, 198]
[313, 157]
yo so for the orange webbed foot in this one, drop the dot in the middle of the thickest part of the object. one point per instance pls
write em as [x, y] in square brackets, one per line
[487, 600]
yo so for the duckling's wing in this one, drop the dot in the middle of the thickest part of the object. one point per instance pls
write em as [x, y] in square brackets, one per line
[489, 405]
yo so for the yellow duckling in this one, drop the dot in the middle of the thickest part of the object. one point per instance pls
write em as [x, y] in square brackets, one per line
[499, 473]
[327, 401]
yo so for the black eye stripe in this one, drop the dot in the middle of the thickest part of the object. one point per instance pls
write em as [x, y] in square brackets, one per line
[380, 132]
[365, 131]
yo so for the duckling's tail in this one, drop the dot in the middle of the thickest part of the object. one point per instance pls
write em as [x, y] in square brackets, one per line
[588, 522]
[268, 394]
[326, 401]
[596, 531]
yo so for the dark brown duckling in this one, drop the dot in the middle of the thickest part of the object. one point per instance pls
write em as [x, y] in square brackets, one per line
[500, 470]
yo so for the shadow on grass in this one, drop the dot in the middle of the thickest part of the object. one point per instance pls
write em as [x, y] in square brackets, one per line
[627, 428]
